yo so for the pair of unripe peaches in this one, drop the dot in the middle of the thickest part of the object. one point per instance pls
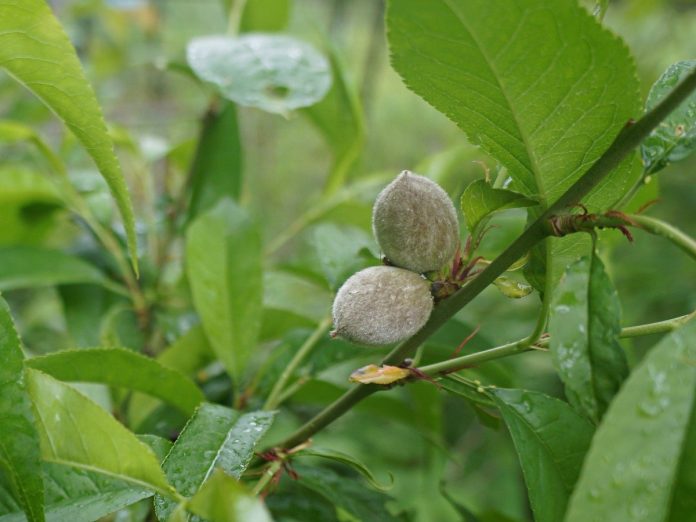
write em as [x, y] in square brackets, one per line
[416, 227]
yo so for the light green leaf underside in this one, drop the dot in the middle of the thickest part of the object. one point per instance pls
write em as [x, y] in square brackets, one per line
[35, 50]
[19, 440]
[291, 293]
[675, 138]
[77, 432]
[214, 438]
[275, 73]
[551, 441]
[122, 368]
[223, 264]
[585, 323]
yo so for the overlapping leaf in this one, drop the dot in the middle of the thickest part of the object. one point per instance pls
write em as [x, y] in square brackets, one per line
[551, 441]
[214, 438]
[584, 325]
[122, 368]
[48, 66]
[19, 440]
[223, 264]
[641, 463]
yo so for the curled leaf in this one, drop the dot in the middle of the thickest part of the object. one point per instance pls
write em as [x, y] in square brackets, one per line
[373, 374]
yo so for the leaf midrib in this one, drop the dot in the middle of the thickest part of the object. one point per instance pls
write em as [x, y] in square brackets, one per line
[535, 171]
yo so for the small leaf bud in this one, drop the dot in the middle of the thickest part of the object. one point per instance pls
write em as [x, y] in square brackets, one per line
[415, 223]
[381, 305]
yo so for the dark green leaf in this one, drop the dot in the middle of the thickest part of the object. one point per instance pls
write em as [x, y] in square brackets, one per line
[77, 495]
[223, 264]
[217, 166]
[295, 503]
[585, 325]
[480, 200]
[224, 499]
[125, 369]
[675, 138]
[271, 72]
[215, 437]
[75, 431]
[32, 267]
[641, 464]
[48, 66]
[551, 441]
[265, 15]
[339, 117]
[19, 441]
[346, 494]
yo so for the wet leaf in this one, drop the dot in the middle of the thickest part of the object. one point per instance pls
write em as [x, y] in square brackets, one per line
[675, 138]
[585, 324]
[271, 72]
[641, 464]
[19, 440]
[214, 438]
[551, 440]
[512, 288]
[77, 432]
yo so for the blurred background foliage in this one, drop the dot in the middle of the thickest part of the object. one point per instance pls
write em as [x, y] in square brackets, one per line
[134, 51]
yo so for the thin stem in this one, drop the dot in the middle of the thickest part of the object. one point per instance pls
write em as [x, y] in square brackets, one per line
[234, 19]
[628, 139]
[659, 327]
[660, 228]
[274, 397]
[267, 476]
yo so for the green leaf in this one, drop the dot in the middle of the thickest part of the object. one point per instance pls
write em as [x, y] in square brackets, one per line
[480, 200]
[188, 354]
[19, 441]
[125, 369]
[224, 499]
[215, 437]
[585, 324]
[551, 441]
[223, 263]
[265, 15]
[294, 503]
[274, 73]
[33, 267]
[642, 460]
[540, 86]
[344, 458]
[77, 495]
[341, 251]
[346, 494]
[512, 288]
[76, 432]
[298, 295]
[675, 138]
[48, 66]
[339, 117]
[217, 166]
